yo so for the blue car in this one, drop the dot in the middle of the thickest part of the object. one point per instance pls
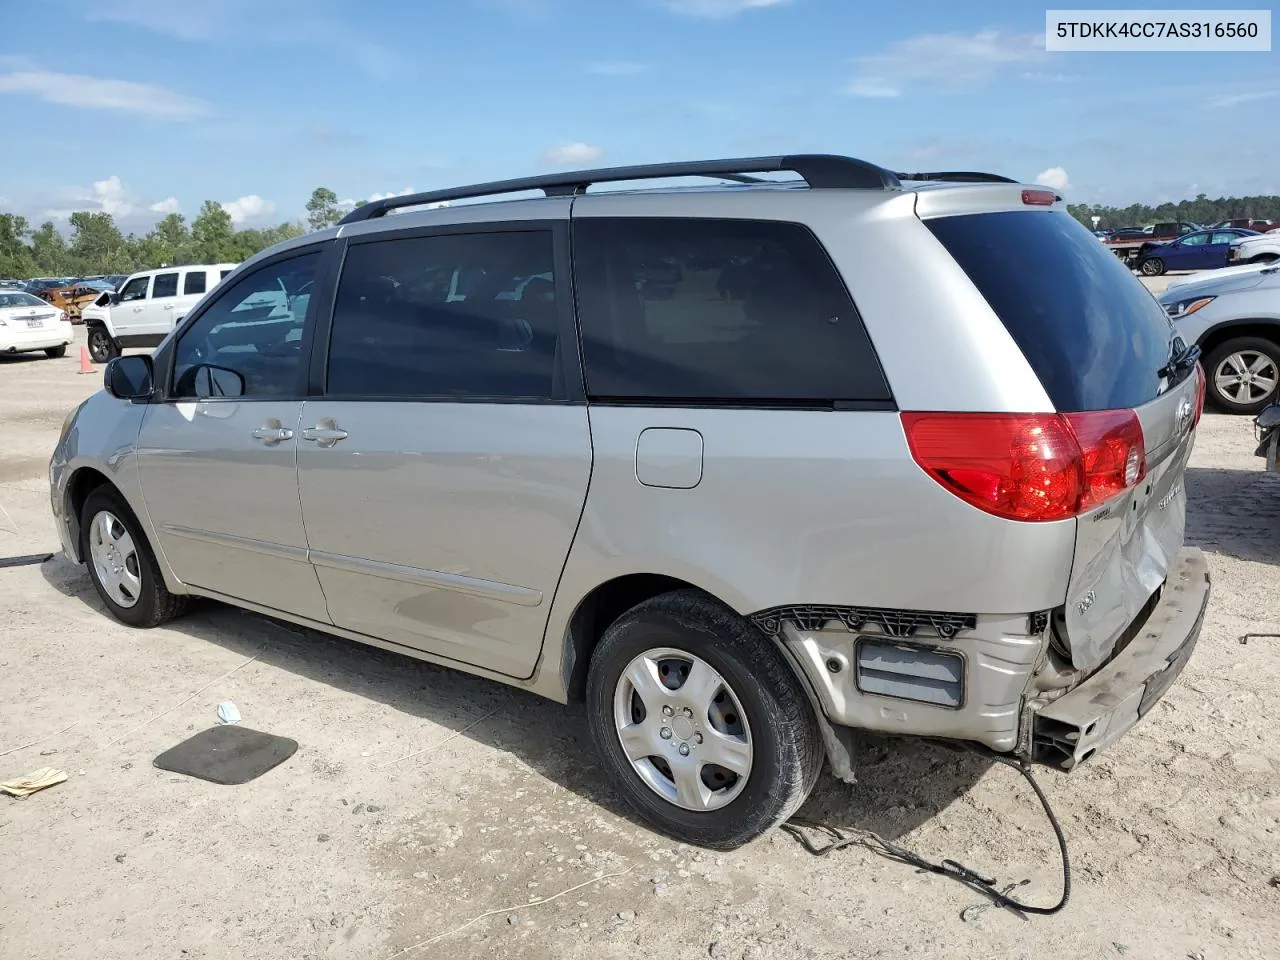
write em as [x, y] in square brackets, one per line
[1202, 250]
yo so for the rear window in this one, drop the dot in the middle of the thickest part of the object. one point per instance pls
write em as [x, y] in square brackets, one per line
[1091, 332]
[733, 311]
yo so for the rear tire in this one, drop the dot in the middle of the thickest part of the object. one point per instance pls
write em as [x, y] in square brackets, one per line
[101, 345]
[1242, 357]
[121, 563]
[1151, 267]
[56, 353]
[748, 709]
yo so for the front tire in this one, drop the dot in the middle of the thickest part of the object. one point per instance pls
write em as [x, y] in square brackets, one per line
[1243, 374]
[121, 563]
[700, 722]
[1152, 267]
[1263, 258]
[102, 347]
[56, 353]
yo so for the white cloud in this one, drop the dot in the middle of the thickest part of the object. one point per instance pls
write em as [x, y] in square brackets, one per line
[1226, 100]
[873, 88]
[248, 208]
[717, 9]
[103, 196]
[1054, 177]
[571, 153]
[167, 206]
[942, 62]
[310, 24]
[110, 196]
[385, 196]
[617, 68]
[95, 93]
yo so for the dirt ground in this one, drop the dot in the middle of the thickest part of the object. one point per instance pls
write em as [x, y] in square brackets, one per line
[421, 798]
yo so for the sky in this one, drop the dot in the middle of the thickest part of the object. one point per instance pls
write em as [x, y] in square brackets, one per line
[146, 107]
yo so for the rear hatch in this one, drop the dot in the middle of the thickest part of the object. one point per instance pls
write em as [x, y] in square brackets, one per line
[1098, 341]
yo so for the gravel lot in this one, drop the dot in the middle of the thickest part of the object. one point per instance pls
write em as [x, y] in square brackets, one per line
[421, 798]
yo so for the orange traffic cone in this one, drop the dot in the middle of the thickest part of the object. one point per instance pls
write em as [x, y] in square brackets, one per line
[85, 365]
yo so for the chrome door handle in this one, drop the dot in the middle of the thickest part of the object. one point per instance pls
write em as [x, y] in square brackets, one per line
[137, 309]
[168, 306]
[325, 433]
[272, 433]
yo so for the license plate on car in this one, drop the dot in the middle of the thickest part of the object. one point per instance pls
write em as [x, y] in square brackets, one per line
[34, 322]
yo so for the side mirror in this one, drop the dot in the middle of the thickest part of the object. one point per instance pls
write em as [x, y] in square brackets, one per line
[129, 378]
[210, 381]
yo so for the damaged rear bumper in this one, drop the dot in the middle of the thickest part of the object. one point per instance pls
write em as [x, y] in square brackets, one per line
[1071, 729]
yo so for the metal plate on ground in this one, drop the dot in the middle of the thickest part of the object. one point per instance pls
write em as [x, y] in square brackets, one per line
[227, 754]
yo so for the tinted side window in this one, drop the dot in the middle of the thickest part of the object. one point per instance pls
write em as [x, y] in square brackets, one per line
[166, 285]
[193, 283]
[717, 310]
[135, 289]
[1223, 238]
[253, 328]
[1195, 240]
[456, 316]
[222, 274]
[1090, 331]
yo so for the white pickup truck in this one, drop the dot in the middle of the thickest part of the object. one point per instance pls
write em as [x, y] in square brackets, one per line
[146, 307]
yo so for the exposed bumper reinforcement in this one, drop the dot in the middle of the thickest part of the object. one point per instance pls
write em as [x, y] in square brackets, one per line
[1099, 711]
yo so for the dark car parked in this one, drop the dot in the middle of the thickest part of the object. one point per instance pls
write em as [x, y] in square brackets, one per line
[1202, 250]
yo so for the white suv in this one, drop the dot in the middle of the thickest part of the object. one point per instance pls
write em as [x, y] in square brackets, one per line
[147, 306]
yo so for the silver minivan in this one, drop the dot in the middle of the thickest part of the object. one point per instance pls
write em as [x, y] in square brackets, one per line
[747, 468]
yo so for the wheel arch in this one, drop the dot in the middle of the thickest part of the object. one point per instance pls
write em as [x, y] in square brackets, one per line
[80, 484]
[1263, 327]
[609, 600]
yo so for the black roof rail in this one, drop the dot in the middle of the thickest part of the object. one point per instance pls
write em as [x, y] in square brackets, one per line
[817, 169]
[957, 176]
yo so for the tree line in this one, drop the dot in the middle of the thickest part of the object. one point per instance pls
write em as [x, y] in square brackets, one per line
[97, 246]
[1201, 210]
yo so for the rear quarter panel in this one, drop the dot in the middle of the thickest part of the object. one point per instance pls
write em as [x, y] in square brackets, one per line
[799, 507]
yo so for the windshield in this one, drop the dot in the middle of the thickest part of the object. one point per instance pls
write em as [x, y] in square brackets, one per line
[20, 300]
[1091, 332]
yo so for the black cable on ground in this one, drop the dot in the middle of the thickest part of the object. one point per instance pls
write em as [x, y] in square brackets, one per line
[30, 560]
[947, 868]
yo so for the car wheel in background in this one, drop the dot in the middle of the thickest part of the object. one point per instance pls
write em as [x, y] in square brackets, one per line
[101, 347]
[1263, 258]
[121, 565]
[1152, 267]
[699, 721]
[54, 353]
[1243, 374]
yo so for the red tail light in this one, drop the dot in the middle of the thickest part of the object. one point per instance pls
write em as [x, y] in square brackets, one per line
[63, 317]
[1033, 466]
[1201, 383]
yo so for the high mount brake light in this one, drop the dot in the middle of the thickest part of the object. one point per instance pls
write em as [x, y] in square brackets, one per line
[1034, 467]
[1039, 198]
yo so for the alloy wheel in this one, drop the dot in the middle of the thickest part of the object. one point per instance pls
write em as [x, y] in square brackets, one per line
[115, 559]
[1246, 376]
[683, 730]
